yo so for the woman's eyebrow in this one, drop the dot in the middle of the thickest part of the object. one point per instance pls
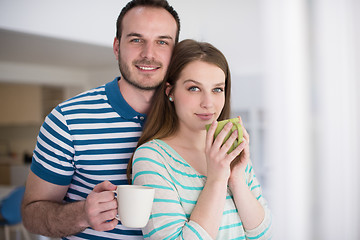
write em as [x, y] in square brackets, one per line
[199, 83]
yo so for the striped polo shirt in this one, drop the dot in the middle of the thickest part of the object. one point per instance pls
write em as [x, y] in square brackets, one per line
[86, 140]
[177, 188]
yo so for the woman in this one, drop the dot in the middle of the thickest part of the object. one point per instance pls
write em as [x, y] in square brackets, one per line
[202, 192]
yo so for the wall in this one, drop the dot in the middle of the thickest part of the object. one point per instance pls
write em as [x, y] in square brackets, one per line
[233, 26]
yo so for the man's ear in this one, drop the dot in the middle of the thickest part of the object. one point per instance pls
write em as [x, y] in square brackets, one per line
[116, 46]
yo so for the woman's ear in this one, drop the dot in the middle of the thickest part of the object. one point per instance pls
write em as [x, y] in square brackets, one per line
[168, 89]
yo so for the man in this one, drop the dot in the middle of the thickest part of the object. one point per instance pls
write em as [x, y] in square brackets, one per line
[85, 143]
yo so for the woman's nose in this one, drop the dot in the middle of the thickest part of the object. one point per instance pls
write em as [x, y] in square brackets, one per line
[207, 101]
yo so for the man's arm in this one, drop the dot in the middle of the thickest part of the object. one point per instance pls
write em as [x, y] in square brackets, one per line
[45, 213]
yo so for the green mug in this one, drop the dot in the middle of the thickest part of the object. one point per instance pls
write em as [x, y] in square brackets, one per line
[236, 126]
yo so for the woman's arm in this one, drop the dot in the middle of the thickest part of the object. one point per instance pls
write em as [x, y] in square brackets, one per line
[251, 205]
[210, 206]
[247, 194]
[250, 210]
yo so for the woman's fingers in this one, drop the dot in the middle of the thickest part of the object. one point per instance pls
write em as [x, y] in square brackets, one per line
[236, 152]
[230, 142]
[210, 134]
[221, 136]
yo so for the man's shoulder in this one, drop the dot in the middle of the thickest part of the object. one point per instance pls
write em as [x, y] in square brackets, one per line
[87, 97]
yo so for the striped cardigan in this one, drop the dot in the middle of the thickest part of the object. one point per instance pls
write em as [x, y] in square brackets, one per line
[178, 186]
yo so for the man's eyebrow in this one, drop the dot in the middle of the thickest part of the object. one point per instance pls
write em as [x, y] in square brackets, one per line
[166, 37]
[140, 35]
[134, 35]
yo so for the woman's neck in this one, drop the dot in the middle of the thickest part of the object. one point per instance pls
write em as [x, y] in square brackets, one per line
[191, 147]
[188, 139]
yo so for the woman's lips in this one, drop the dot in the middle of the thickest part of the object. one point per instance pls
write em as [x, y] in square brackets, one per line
[205, 116]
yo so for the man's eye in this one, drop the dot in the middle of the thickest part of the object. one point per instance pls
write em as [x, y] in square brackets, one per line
[135, 40]
[162, 42]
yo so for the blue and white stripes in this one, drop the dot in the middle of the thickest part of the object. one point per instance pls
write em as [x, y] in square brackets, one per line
[178, 187]
[86, 140]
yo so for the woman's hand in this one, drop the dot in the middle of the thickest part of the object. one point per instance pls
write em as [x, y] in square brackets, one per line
[238, 166]
[217, 158]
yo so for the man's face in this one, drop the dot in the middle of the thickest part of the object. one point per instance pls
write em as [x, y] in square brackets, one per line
[146, 44]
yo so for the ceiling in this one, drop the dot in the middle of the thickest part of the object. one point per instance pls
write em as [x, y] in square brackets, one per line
[35, 49]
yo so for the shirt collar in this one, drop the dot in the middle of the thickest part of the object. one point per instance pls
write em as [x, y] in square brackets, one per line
[119, 104]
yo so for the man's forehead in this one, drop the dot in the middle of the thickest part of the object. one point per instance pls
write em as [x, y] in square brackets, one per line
[152, 20]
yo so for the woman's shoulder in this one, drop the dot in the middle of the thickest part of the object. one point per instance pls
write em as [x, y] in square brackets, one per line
[149, 148]
[150, 155]
[149, 145]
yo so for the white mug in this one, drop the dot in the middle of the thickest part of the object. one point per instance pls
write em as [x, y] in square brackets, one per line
[134, 205]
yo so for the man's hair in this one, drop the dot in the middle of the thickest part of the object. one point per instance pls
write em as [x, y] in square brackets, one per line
[147, 3]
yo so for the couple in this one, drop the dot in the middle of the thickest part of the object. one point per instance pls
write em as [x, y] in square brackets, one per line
[90, 138]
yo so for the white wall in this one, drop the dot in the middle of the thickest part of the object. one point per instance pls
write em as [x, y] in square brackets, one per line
[87, 21]
[233, 26]
[311, 86]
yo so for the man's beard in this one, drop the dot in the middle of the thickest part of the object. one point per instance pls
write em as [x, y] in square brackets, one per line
[126, 75]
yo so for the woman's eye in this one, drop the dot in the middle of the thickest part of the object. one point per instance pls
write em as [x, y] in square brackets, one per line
[218, 90]
[194, 89]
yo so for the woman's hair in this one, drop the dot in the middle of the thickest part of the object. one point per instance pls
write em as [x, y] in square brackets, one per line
[162, 120]
[147, 3]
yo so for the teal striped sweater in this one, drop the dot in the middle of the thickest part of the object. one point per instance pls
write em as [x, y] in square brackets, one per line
[178, 186]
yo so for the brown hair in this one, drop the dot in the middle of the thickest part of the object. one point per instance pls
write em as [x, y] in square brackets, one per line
[147, 3]
[162, 120]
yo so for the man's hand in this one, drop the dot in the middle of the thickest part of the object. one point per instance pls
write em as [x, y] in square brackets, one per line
[45, 213]
[101, 207]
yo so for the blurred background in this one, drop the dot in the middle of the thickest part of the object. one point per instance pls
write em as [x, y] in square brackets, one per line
[296, 79]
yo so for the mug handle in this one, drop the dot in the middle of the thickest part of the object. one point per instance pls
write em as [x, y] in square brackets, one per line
[117, 215]
[240, 137]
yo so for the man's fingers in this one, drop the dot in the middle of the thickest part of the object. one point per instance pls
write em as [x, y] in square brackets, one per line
[104, 186]
[110, 225]
[100, 213]
[106, 225]
[108, 205]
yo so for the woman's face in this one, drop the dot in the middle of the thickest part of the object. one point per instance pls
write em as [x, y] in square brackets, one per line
[199, 95]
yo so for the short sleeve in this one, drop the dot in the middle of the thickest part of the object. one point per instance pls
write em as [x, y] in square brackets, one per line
[54, 151]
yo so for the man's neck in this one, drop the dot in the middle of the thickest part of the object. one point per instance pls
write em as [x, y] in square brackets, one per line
[138, 99]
